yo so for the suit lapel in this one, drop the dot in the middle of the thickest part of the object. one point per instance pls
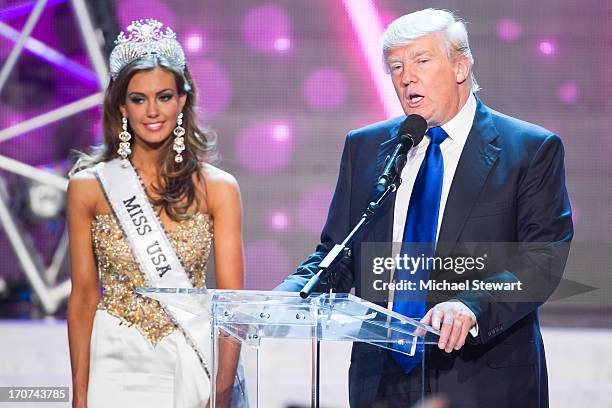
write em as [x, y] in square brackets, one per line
[477, 159]
[383, 226]
[384, 150]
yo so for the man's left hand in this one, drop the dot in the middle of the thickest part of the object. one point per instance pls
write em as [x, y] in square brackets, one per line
[454, 320]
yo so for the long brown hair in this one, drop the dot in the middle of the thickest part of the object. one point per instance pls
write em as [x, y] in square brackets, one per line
[177, 191]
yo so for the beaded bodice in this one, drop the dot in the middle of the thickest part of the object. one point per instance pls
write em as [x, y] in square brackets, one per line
[120, 274]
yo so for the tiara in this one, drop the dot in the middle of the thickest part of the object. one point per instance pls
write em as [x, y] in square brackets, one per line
[145, 37]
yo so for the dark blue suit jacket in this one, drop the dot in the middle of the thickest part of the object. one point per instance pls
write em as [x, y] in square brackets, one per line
[509, 186]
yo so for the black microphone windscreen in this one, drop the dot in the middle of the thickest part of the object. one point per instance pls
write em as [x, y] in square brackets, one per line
[415, 126]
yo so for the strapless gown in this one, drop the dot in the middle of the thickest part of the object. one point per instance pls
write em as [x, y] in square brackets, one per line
[138, 357]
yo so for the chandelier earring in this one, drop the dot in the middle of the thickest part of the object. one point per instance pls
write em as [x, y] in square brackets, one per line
[179, 139]
[124, 143]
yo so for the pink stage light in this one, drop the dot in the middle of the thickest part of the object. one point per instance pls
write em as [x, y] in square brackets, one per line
[368, 28]
[281, 132]
[213, 84]
[195, 42]
[568, 92]
[387, 17]
[267, 264]
[11, 116]
[325, 89]
[279, 221]
[129, 11]
[547, 47]
[509, 30]
[265, 147]
[267, 29]
[313, 207]
[282, 44]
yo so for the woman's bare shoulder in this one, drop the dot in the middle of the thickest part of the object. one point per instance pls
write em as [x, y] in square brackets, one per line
[88, 173]
[84, 190]
[221, 187]
[215, 177]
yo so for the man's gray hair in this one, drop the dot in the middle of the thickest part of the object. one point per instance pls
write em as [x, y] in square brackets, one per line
[411, 26]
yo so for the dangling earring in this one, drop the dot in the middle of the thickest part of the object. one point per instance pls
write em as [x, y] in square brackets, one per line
[179, 140]
[124, 145]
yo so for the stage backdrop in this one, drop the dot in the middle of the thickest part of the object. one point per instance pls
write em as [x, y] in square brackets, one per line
[282, 82]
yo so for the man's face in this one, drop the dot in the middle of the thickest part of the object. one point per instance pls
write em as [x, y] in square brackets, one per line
[427, 81]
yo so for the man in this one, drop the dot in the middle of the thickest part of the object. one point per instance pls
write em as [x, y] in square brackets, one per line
[477, 176]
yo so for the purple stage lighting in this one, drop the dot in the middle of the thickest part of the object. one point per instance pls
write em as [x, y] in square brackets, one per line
[267, 29]
[23, 9]
[279, 221]
[568, 92]
[313, 206]
[282, 44]
[325, 89]
[195, 42]
[10, 117]
[43, 50]
[128, 11]
[368, 29]
[547, 47]
[267, 263]
[387, 16]
[509, 30]
[214, 86]
[27, 149]
[281, 132]
[265, 147]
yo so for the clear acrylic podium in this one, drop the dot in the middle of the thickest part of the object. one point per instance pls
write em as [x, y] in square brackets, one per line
[241, 320]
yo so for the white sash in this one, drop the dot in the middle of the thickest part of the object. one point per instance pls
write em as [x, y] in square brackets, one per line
[152, 249]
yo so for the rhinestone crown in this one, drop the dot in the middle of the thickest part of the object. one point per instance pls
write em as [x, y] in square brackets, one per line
[145, 37]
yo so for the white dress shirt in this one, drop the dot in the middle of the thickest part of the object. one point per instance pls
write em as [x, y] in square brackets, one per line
[457, 130]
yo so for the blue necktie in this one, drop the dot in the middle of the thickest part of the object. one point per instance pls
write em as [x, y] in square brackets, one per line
[419, 240]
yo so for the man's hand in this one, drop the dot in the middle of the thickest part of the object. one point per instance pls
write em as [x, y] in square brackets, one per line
[433, 402]
[454, 320]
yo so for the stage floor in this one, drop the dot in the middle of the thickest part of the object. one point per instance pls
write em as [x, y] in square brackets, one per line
[35, 353]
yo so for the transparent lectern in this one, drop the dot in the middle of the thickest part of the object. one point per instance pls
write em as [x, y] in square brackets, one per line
[242, 320]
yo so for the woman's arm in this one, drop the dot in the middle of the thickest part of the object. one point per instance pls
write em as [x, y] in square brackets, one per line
[225, 207]
[85, 284]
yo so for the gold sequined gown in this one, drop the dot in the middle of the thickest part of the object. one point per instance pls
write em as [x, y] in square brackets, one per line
[138, 358]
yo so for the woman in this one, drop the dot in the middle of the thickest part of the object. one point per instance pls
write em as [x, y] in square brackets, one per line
[141, 211]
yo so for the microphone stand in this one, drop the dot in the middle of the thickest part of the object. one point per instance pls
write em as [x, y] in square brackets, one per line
[333, 257]
[327, 265]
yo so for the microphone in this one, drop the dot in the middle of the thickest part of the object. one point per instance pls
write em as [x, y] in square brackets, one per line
[411, 133]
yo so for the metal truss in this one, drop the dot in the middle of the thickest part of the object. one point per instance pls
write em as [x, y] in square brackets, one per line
[43, 279]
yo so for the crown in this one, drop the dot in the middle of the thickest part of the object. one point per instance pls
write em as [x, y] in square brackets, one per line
[145, 37]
